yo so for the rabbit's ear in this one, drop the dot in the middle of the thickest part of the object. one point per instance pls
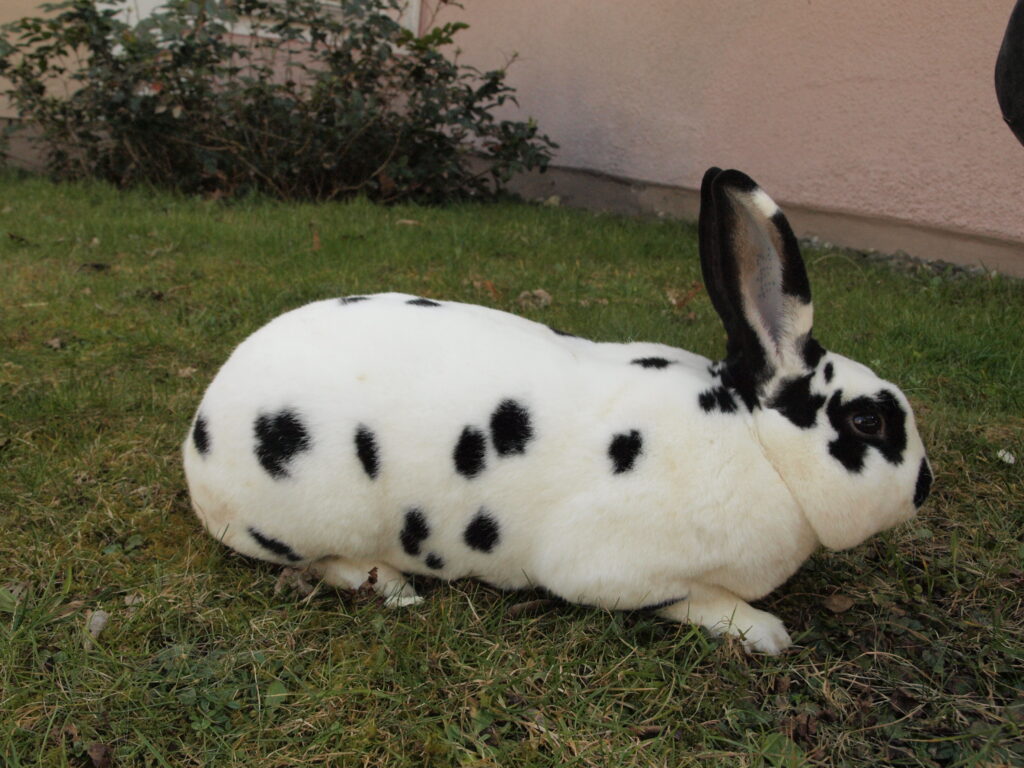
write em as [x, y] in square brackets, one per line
[756, 280]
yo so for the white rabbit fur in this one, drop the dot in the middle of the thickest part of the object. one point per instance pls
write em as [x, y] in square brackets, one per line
[615, 479]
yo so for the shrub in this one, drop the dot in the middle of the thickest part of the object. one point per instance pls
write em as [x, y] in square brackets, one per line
[295, 98]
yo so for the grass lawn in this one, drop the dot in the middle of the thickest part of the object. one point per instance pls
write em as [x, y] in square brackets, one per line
[116, 310]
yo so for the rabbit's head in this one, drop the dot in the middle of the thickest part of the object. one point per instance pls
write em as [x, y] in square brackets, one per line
[843, 440]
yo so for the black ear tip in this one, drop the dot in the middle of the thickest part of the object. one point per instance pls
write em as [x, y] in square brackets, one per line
[737, 180]
[709, 177]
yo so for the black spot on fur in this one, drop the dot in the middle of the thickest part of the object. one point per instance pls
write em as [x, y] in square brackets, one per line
[624, 449]
[366, 450]
[352, 299]
[717, 398]
[829, 373]
[278, 438]
[813, 352]
[435, 562]
[200, 436]
[796, 403]
[423, 303]
[274, 546]
[414, 531]
[564, 333]
[923, 486]
[510, 428]
[482, 532]
[850, 446]
[470, 453]
[652, 362]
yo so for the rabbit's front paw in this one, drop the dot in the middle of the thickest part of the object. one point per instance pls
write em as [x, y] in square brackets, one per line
[766, 633]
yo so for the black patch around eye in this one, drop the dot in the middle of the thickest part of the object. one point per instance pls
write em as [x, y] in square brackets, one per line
[352, 299]
[717, 398]
[434, 561]
[200, 436]
[651, 362]
[923, 486]
[795, 401]
[274, 546]
[812, 352]
[849, 448]
[366, 450]
[482, 532]
[414, 531]
[422, 303]
[510, 428]
[564, 333]
[829, 373]
[470, 453]
[278, 438]
[624, 449]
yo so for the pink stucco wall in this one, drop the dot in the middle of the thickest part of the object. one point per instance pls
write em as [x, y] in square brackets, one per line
[875, 108]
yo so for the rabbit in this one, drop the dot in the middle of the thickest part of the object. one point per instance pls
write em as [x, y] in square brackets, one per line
[375, 436]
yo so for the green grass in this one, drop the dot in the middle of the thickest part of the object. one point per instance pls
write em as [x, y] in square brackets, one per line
[117, 308]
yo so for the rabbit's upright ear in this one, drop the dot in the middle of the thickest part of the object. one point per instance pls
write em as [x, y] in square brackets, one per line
[757, 282]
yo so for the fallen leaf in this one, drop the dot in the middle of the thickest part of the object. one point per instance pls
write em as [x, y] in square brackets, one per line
[488, 286]
[100, 754]
[94, 242]
[538, 298]
[133, 600]
[6, 209]
[408, 223]
[95, 623]
[55, 343]
[838, 603]
[553, 202]
[184, 373]
[316, 236]
[679, 300]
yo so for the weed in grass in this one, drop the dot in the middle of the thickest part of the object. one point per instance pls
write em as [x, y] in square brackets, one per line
[204, 662]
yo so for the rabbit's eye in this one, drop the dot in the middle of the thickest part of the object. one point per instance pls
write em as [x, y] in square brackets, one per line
[869, 424]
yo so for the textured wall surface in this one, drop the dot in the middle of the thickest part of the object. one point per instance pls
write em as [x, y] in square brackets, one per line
[872, 108]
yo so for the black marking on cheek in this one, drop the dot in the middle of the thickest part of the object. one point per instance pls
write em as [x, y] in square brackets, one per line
[717, 398]
[624, 449]
[420, 302]
[482, 533]
[923, 486]
[278, 438]
[812, 352]
[829, 372]
[414, 531]
[352, 299]
[434, 562]
[366, 450]
[274, 546]
[510, 428]
[795, 401]
[470, 453]
[651, 362]
[201, 436]
[564, 333]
